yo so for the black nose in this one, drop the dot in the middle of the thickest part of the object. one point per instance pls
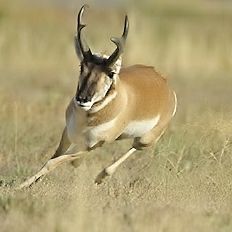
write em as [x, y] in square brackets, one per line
[82, 99]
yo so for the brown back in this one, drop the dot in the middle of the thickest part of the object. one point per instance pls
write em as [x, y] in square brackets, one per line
[147, 89]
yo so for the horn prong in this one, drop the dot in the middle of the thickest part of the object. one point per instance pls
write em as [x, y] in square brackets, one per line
[120, 43]
[82, 49]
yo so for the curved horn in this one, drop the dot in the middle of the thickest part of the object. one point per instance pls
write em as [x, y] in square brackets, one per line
[120, 43]
[82, 49]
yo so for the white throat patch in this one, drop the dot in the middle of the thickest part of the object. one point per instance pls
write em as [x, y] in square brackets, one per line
[104, 103]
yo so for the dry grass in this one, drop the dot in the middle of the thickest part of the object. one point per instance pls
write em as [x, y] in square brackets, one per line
[184, 184]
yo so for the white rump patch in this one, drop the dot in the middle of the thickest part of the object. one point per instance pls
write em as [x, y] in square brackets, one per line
[174, 111]
[139, 128]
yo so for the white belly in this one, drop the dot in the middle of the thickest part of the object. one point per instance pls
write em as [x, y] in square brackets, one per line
[98, 133]
[139, 128]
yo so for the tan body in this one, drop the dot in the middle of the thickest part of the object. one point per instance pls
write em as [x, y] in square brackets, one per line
[142, 96]
[111, 103]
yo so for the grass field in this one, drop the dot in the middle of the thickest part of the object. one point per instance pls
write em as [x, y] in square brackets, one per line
[183, 184]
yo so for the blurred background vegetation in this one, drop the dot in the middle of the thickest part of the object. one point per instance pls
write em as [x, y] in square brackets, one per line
[186, 40]
[188, 180]
[182, 38]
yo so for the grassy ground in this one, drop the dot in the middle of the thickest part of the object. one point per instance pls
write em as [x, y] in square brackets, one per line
[184, 184]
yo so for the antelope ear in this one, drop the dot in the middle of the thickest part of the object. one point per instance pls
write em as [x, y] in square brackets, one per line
[117, 65]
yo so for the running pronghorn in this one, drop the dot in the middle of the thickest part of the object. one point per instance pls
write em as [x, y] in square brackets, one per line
[111, 103]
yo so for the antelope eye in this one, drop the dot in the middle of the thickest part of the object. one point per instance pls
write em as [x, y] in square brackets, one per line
[111, 74]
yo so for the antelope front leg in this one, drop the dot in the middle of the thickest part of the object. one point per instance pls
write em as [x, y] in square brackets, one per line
[112, 168]
[49, 166]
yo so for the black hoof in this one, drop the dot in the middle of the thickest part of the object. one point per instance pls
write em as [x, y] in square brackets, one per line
[102, 175]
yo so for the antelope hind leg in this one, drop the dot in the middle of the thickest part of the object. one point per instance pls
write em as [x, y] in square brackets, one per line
[112, 168]
[139, 144]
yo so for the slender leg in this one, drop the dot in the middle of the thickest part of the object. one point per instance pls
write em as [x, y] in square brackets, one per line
[112, 168]
[65, 152]
[64, 144]
[49, 166]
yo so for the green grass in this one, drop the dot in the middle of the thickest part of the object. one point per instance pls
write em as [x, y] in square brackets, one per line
[183, 184]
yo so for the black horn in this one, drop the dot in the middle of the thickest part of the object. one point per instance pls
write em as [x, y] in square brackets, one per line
[82, 49]
[120, 43]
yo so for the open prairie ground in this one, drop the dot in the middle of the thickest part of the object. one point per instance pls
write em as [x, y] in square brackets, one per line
[183, 184]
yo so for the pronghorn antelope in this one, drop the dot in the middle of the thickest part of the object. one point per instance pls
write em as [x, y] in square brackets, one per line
[111, 103]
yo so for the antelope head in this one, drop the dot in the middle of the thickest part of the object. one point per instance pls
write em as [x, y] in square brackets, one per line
[98, 74]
